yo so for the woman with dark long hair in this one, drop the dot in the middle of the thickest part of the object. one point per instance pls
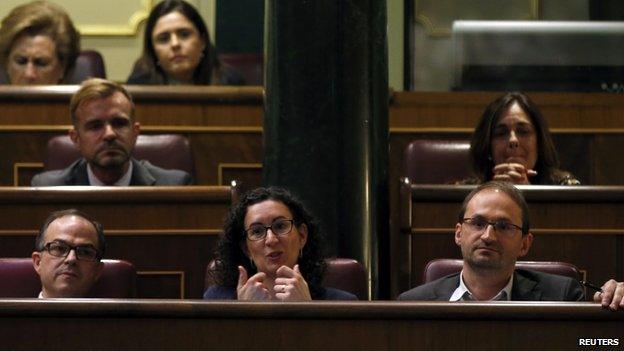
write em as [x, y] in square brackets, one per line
[512, 143]
[177, 50]
[271, 250]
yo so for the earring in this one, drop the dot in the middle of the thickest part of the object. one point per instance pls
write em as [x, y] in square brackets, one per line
[301, 252]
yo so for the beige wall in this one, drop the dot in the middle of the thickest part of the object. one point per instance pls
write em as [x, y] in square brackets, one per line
[114, 27]
[395, 44]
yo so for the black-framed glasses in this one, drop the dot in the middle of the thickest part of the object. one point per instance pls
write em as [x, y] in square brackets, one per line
[480, 224]
[279, 227]
[62, 249]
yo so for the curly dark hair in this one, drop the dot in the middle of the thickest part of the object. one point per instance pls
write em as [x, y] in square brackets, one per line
[547, 165]
[230, 255]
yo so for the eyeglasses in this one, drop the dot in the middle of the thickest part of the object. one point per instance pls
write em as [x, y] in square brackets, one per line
[480, 224]
[62, 249]
[279, 227]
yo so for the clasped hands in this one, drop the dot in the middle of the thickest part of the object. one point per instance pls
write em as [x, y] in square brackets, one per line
[289, 285]
[513, 172]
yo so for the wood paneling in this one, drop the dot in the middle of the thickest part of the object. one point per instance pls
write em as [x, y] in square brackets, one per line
[158, 229]
[197, 325]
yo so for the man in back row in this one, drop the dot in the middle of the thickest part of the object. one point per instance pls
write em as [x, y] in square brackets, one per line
[493, 232]
[105, 132]
[68, 253]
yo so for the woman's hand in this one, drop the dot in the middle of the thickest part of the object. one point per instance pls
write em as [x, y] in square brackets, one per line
[513, 172]
[253, 288]
[290, 285]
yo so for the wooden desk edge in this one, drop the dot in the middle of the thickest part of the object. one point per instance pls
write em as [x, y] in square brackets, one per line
[305, 310]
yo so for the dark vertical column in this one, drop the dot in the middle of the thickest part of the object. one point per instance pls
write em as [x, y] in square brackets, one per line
[326, 119]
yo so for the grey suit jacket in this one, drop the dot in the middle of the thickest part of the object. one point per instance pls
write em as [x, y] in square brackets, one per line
[143, 173]
[527, 286]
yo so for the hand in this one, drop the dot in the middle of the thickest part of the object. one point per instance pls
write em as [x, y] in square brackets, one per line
[513, 172]
[611, 295]
[290, 285]
[253, 288]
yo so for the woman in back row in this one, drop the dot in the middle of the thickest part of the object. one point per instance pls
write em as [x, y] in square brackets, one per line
[512, 143]
[38, 44]
[177, 50]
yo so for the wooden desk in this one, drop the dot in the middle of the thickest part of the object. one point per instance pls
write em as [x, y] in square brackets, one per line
[169, 233]
[581, 225]
[194, 325]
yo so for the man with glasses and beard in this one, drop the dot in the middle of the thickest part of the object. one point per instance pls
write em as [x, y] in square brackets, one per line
[492, 232]
[105, 132]
[68, 253]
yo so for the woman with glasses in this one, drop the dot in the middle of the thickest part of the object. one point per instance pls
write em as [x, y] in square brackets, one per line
[512, 143]
[271, 250]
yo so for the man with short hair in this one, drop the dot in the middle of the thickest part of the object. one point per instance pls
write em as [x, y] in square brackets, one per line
[68, 253]
[493, 232]
[105, 132]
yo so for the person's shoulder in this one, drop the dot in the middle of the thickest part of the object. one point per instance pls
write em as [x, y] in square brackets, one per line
[217, 292]
[551, 287]
[166, 176]
[538, 276]
[49, 178]
[432, 291]
[337, 294]
[231, 76]
[56, 177]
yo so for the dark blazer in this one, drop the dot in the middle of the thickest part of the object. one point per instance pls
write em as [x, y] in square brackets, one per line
[138, 76]
[216, 292]
[143, 173]
[527, 286]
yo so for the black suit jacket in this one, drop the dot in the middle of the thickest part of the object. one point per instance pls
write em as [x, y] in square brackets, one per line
[143, 173]
[527, 286]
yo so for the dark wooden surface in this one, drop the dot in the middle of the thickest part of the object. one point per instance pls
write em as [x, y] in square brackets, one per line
[168, 233]
[194, 325]
[580, 225]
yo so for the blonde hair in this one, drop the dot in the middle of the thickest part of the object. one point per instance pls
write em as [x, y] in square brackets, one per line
[41, 18]
[93, 89]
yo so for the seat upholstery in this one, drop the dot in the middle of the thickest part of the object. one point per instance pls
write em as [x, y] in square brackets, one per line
[439, 268]
[89, 63]
[250, 66]
[342, 273]
[171, 151]
[19, 279]
[432, 161]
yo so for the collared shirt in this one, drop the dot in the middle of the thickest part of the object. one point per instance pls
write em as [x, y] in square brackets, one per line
[463, 294]
[40, 295]
[123, 181]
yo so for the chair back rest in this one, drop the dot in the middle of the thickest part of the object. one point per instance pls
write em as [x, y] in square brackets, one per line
[250, 66]
[170, 151]
[346, 274]
[89, 64]
[19, 279]
[439, 268]
[433, 161]
[342, 273]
